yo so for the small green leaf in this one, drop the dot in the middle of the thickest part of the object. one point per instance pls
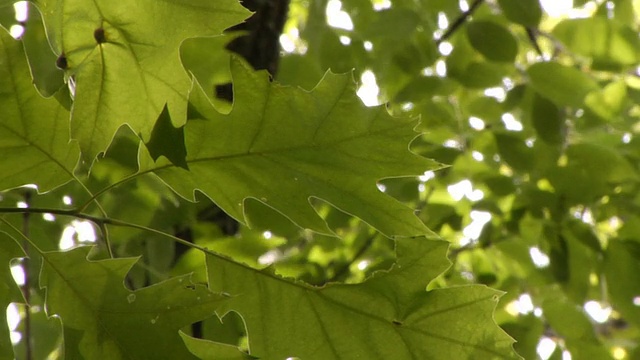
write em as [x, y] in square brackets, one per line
[493, 41]
[112, 322]
[608, 43]
[523, 12]
[286, 318]
[547, 120]
[608, 102]
[561, 84]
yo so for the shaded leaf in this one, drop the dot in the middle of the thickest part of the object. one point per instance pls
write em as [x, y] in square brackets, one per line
[561, 84]
[34, 132]
[42, 61]
[493, 41]
[573, 325]
[608, 43]
[523, 12]
[547, 120]
[128, 73]
[112, 322]
[210, 350]
[283, 145]
[286, 318]
[621, 267]
[168, 141]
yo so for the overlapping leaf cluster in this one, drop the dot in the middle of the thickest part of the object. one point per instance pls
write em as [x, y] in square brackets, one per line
[117, 133]
[539, 112]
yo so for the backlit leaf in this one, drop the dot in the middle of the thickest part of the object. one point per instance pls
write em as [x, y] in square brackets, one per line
[128, 74]
[112, 322]
[283, 146]
[34, 132]
[561, 84]
[285, 318]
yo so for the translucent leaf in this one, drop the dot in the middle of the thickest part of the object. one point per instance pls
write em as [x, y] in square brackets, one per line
[561, 84]
[210, 350]
[112, 322]
[42, 61]
[524, 12]
[493, 41]
[125, 59]
[609, 43]
[389, 316]
[283, 146]
[573, 325]
[34, 132]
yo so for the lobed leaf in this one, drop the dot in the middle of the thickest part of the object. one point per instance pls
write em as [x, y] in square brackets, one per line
[108, 321]
[126, 62]
[283, 146]
[389, 316]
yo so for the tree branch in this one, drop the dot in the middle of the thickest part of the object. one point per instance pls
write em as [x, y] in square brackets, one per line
[459, 21]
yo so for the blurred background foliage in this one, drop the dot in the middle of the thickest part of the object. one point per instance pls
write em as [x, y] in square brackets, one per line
[535, 109]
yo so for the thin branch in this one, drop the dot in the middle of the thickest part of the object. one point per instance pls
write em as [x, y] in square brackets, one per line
[101, 222]
[345, 268]
[533, 38]
[459, 21]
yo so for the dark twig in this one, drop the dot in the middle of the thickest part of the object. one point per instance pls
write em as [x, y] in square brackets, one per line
[459, 21]
[533, 38]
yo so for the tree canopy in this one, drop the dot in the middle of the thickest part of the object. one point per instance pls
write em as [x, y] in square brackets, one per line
[427, 179]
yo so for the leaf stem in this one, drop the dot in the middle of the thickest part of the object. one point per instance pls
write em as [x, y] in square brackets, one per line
[459, 21]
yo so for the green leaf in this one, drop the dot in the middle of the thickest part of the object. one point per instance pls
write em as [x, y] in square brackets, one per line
[125, 62]
[561, 84]
[622, 264]
[210, 350]
[608, 102]
[523, 12]
[168, 141]
[547, 120]
[42, 61]
[112, 322]
[573, 325]
[608, 43]
[283, 146]
[493, 41]
[9, 290]
[286, 318]
[34, 132]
